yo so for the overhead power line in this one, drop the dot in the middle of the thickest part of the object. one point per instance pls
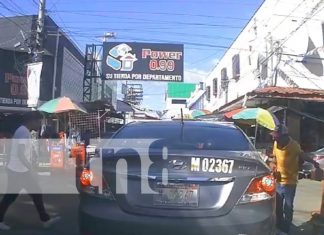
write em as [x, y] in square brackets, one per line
[35, 3]
[54, 6]
[154, 13]
[9, 9]
[17, 7]
[170, 1]
[305, 19]
[90, 32]
[151, 21]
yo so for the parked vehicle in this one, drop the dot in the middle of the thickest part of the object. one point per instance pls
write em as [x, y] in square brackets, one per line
[308, 167]
[217, 183]
[319, 156]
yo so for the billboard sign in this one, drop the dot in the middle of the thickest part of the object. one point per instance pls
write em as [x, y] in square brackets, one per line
[143, 61]
[13, 88]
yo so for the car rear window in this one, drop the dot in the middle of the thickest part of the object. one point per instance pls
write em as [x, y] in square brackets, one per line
[189, 137]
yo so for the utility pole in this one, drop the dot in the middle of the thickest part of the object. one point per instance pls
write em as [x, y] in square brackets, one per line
[271, 60]
[106, 37]
[58, 34]
[40, 31]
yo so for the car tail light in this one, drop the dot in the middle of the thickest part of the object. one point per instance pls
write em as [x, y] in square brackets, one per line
[88, 185]
[260, 189]
[86, 177]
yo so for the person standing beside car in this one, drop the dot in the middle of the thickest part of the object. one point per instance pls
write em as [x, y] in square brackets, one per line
[288, 157]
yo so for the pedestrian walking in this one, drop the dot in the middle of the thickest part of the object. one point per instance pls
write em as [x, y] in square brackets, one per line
[288, 157]
[20, 173]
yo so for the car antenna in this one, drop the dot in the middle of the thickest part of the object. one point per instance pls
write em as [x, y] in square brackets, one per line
[182, 116]
[182, 124]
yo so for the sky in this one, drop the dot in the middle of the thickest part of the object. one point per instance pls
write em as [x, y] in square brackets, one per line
[205, 27]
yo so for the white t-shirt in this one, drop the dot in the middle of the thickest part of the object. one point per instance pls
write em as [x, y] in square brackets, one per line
[22, 136]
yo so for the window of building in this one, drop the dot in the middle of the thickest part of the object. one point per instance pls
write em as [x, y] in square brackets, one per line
[262, 67]
[236, 66]
[208, 93]
[250, 49]
[201, 86]
[224, 74]
[215, 87]
[224, 79]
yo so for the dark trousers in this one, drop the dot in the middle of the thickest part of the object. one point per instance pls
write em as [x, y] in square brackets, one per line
[16, 182]
[285, 206]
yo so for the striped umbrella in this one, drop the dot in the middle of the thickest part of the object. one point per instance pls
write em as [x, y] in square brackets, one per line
[257, 116]
[61, 105]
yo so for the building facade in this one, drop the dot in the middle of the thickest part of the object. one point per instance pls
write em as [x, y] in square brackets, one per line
[282, 45]
[62, 73]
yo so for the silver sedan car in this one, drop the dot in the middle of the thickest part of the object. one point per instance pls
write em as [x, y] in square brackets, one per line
[216, 183]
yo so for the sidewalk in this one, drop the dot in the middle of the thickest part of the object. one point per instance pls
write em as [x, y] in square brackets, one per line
[308, 199]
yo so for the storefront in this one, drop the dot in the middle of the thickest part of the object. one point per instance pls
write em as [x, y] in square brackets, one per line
[302, 110]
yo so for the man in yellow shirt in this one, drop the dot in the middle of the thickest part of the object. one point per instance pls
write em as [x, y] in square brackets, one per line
[288, 156]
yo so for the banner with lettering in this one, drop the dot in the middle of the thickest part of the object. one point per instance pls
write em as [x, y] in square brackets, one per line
[34, 71]
[13, 88]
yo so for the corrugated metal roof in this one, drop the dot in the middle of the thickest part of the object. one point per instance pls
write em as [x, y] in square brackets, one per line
[290, 93]
[12, 29]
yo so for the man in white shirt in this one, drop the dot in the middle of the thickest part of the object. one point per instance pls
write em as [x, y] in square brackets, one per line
[20, 174]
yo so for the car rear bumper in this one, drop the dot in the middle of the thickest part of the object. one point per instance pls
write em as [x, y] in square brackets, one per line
[103, 217]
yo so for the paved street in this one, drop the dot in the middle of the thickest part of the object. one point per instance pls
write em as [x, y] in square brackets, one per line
[308, 199]
[24, 221]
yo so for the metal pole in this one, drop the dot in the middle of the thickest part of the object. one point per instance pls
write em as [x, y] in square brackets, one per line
[255, 133]
[55, 62]
[285, 117]
[40, 29]
[103, 81]
[99, 126]
[271, 60]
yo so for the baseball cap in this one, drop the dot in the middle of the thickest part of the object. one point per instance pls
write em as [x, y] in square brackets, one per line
[280, 130]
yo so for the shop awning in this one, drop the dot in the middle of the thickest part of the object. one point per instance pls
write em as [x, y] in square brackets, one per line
[255, 97]
[232, 113]
[292, 93]
[10, 109]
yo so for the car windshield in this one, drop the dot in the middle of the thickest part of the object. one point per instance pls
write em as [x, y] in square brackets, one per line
[188, 137]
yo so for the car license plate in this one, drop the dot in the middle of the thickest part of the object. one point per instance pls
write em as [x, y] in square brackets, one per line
[212, 165]
[44, 164]
[177, 195]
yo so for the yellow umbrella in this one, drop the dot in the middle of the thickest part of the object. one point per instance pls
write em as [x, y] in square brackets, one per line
[257, 116]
